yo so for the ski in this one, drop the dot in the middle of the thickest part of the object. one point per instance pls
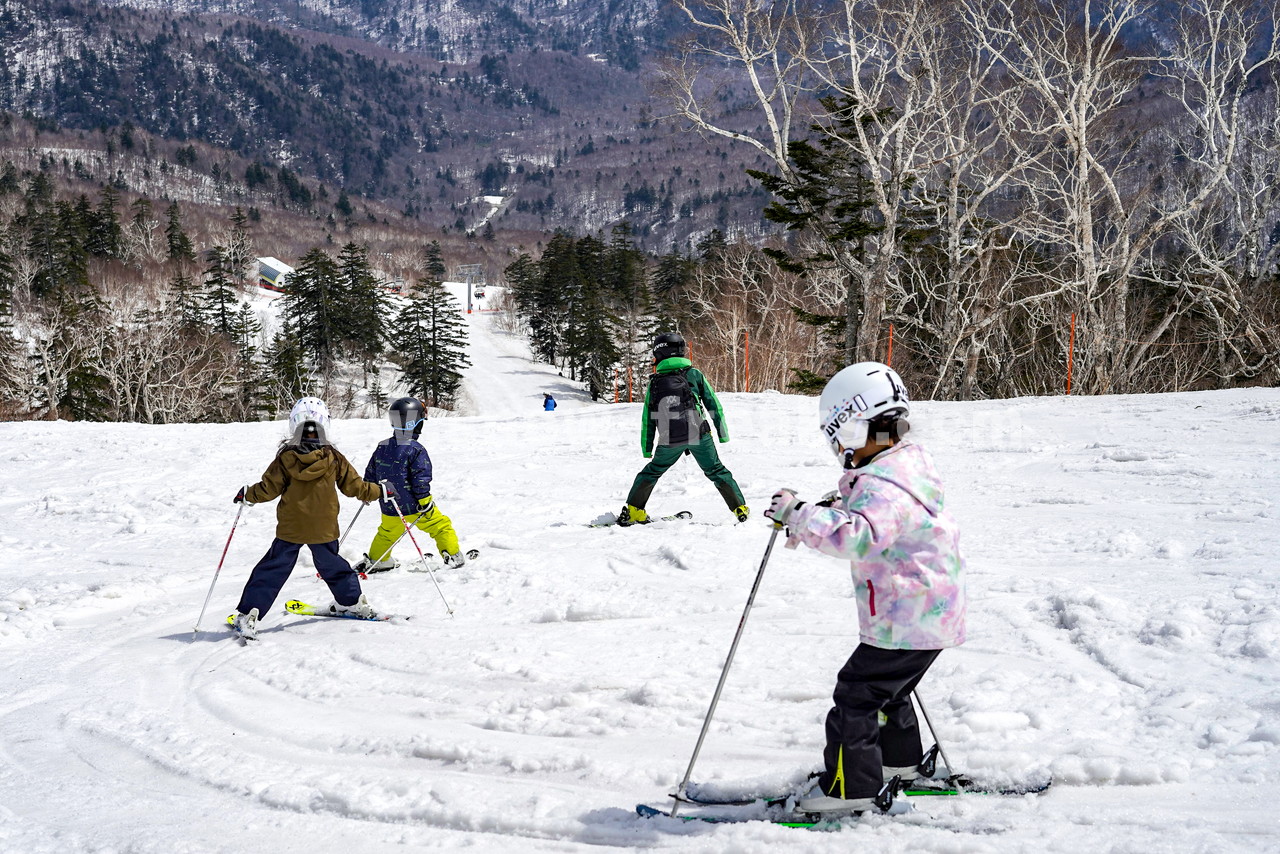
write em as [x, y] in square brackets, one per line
[613, 521]
[778, 817]
[472, 554]
[956, 784]
[302, 609]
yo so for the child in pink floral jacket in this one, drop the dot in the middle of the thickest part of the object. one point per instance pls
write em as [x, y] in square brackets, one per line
[889, 520]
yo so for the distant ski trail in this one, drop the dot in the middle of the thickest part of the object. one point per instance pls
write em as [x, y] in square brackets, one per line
[503, 379]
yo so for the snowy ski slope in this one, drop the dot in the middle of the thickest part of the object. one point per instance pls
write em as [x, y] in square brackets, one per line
[1125, 636]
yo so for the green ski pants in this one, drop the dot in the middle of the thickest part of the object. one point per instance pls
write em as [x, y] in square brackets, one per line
[665, 456]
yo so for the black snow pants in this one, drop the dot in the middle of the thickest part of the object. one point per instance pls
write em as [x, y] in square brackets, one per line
[873, 680]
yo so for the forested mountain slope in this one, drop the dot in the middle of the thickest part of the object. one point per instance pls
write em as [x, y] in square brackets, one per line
[564, 139]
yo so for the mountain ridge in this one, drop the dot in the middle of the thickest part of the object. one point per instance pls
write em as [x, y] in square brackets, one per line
[567, 140]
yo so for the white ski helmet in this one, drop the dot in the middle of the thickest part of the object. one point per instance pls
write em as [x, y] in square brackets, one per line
[856, 396]
[309, 412]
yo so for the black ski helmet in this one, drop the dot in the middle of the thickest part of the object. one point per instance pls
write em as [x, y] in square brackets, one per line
[407, 415]
[668, 345]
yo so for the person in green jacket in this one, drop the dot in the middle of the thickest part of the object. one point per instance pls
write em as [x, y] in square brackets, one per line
[673, 418]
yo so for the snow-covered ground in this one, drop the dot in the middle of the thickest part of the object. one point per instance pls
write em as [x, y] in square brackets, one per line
[1125, 636]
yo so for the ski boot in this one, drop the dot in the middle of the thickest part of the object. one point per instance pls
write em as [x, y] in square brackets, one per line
[632, 516]
[817, 802]
[453, 560]
[368, 565]
[245, 625]
[741, 513]
[361, 609]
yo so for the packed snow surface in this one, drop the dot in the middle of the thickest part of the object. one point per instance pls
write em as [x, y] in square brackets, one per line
[1124, 636]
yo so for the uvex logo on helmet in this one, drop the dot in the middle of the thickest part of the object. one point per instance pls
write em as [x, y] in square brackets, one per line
[852, 408]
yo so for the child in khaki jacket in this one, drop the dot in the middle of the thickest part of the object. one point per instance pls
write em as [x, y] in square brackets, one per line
[305, 476]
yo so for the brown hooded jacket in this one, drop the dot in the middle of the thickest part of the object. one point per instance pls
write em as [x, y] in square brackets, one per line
[304, 482]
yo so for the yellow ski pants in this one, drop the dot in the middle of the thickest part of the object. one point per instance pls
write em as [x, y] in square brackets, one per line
[429, 519]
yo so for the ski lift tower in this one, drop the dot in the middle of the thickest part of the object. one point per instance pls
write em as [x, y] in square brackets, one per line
[472, 273]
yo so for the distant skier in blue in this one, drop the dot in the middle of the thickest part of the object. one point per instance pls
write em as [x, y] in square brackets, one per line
[548, 402]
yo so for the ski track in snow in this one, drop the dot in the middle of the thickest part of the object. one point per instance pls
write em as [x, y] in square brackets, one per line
[1124, 635]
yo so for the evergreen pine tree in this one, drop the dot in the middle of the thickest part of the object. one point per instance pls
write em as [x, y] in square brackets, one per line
[71, 261]
[829, 195]
[40, 225]
[671, 281]
[377, 395]
[552, 297]
[522, 278]
[626, 283]
[343, 205]
[314, 306]
[180, 248]
[104, 226]
[588, 346]
[219, 295]
[143, 213]
[595, 352]
[39, 190]
[251, 401]
[286, 363]
[188, 302]
[433, 262]
[78, 393]
[712, 247]
[9, 179]
[585, 313]
[363, 304]
[566, 298]
[82, 220]
[430, 343]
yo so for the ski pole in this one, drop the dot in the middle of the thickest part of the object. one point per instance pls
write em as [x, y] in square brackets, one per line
[196, 630]
[343, 538]
[412, 539]
[350, 525]
[706, 724]
[934, 732]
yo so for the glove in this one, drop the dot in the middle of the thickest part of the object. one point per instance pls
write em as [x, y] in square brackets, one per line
[783, 506]
[388, 491]
[239, 499]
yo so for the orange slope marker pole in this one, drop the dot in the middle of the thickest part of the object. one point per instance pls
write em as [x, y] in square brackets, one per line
[1071, 350]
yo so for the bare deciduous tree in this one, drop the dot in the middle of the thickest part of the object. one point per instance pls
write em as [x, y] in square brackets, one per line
[742, 293]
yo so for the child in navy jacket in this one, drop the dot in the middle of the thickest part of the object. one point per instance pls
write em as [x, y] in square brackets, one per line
[404, 464]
